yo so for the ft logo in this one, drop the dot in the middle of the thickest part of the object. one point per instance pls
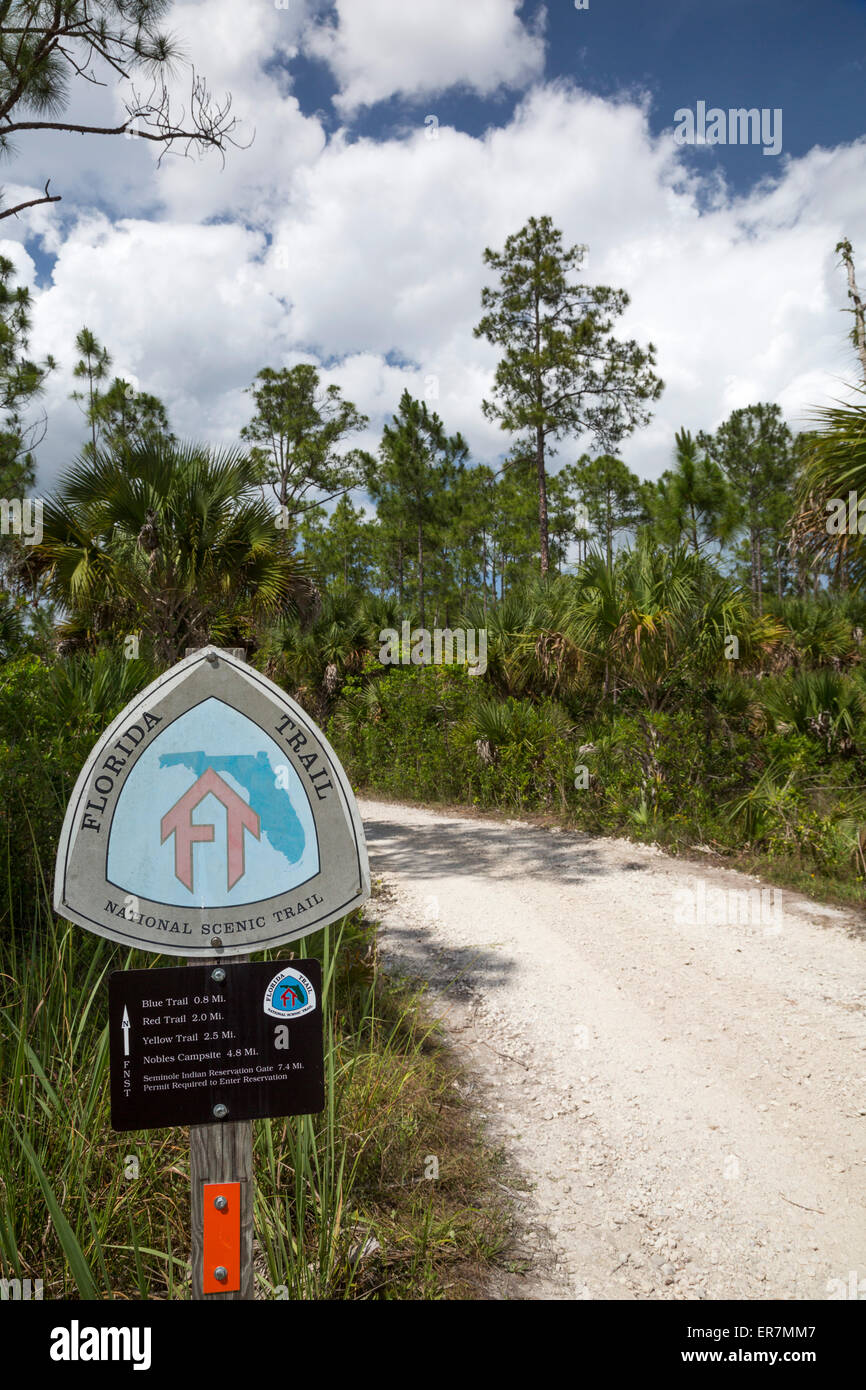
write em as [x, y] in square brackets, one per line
[179, 823]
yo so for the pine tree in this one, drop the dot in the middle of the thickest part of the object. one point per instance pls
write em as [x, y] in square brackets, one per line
[339, 548]
[418, 464]
[754, 451]
[692, 502]
[21, 383]
[92, 366]
[49, 46]
[297, 433]
[611, 494]
[125, 414]
[563, 372]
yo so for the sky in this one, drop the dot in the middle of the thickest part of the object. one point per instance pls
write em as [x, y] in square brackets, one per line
[386, 143]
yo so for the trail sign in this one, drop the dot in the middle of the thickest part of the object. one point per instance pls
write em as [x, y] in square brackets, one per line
[212, 818]
[191, 1044]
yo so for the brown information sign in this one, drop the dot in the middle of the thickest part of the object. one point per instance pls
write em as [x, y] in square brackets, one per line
[191, 1048]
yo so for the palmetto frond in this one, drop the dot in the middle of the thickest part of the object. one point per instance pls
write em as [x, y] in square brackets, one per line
[834, 467]
[173, 533]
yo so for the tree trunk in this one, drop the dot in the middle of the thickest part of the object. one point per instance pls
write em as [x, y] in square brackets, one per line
[757, 575]
[539, 446]
[484, 573]
[542, 500]
[859, 307]
[608, 529]
[92, 417]
[421, 573]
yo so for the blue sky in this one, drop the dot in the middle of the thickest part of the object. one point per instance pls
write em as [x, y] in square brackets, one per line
[806, 56]
[350, 233]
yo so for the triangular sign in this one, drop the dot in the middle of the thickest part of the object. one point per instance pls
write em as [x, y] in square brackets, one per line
[212, 818]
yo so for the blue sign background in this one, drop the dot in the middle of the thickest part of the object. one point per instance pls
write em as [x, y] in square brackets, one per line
[213, 734]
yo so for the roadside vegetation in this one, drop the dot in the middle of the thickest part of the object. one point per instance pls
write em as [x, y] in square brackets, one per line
[609, 704]
[679, 661]
[390, 1193]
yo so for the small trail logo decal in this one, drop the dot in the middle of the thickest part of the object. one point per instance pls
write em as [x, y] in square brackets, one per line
[289, 995]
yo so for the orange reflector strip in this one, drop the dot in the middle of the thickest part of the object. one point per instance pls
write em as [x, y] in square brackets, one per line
[222, 1237]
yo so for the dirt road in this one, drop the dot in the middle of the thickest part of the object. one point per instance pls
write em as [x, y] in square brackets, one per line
[678, 1075]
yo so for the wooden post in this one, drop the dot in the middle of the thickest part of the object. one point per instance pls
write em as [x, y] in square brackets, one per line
[221, 1152]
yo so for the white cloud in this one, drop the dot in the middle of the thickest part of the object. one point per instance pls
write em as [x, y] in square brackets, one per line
[375, 268]
[246, 61]
[379, 49]
[244, 55]
[25, 267]
[181, 309]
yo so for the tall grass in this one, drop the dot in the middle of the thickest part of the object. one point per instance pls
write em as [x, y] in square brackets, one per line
[67, 1207]
[342, 1209]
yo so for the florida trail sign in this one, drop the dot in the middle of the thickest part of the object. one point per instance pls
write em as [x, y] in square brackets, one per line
[213, 820]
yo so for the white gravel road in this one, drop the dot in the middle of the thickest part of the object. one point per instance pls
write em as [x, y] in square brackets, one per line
[685, 1095]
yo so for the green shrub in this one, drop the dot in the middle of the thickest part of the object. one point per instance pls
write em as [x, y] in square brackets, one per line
[51, 714]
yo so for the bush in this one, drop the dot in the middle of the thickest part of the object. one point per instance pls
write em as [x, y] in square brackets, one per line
[51, 714]
[753, 767]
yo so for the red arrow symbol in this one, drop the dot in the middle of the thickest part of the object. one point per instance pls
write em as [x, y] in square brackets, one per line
[178, 822]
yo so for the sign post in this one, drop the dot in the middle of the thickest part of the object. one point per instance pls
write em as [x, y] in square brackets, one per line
[222, 1259]
[222, 1153]
[213, 820]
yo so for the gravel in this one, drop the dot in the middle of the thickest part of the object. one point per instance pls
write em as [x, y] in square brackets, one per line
[684, 1101]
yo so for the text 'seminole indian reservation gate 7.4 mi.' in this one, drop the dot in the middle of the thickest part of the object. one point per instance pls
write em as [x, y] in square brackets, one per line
[211, 820]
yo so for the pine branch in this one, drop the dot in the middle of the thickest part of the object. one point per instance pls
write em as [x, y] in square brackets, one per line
[34, 202]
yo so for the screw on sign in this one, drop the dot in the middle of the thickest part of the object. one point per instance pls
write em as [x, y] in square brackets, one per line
[213, 820]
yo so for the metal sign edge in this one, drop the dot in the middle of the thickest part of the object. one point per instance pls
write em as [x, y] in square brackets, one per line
[70, 914]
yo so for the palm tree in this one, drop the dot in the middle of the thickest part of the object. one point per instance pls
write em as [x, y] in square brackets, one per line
[168, 540]
[595, 613]
[530, 651]
[313, 658]
[12, 635]
[835, 466]
[659, 618]
[818, 633]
